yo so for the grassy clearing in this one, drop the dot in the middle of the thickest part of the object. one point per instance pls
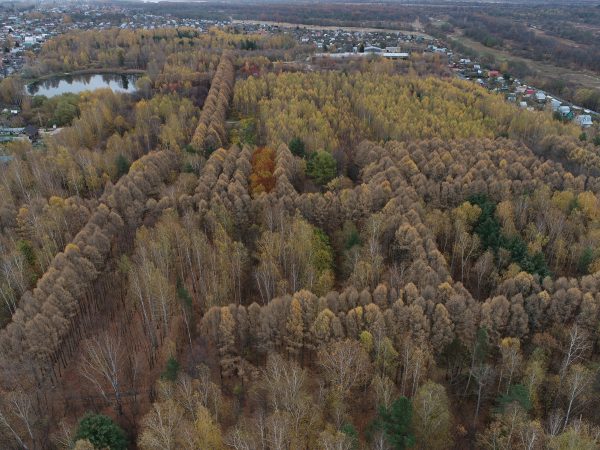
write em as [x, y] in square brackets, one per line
[581, 78]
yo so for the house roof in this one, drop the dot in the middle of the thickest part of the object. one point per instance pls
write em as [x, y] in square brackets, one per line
[584, 119]
[30, 130]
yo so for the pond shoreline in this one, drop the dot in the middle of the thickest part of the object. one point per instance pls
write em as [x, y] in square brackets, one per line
[102, 71]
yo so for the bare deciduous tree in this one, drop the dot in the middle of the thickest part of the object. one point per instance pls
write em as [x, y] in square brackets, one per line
[161, 426]
[578, 381]
[577, 345]
[483, 375]
[345, 364]
[18, 416]
[102, 365]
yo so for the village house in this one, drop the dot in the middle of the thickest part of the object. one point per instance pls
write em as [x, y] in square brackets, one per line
[584, 120]
[32, 132]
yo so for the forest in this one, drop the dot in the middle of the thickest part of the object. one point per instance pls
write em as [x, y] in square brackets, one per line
[556, 32]
[245, 255]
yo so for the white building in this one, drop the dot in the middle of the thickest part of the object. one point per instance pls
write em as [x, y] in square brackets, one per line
[584, 120]
[396, 55]
[564, 110]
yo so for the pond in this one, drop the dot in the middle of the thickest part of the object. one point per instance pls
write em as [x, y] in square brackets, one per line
[79, 83]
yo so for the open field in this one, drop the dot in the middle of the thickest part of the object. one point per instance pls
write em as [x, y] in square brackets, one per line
[580, 77]
[542, 33]
[324, 27]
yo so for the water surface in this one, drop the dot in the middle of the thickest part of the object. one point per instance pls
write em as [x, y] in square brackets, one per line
[79, 83]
